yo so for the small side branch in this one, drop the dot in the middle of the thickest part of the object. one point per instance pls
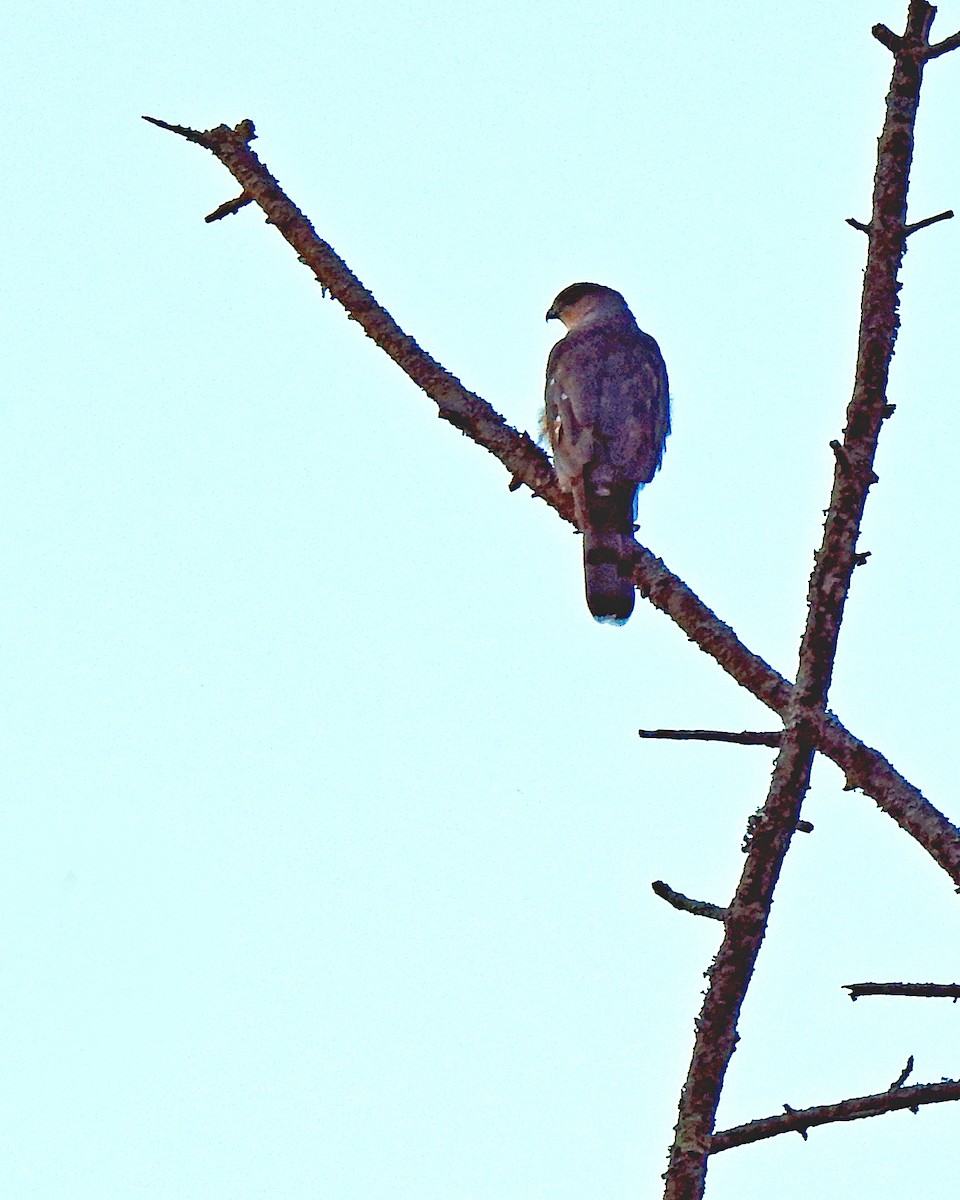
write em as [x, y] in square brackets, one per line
[800, 1120]
[949, 991]
[887, 37]
[699, 908]
[228, 208]
[944, 47]
[192, 135]
[843, 460]
[747, 738]
[904, 1075]
[947, 215]
[465, 410]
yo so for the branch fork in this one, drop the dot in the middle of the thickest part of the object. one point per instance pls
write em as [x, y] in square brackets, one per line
[808, 727]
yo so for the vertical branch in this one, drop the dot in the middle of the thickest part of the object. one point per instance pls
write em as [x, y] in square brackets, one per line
[879, 321]
[730, 974]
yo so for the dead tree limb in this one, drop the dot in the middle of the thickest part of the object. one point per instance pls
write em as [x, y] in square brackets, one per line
[948, 44]
[746, 738]
[949, 991]
[858, 1107]
[915, 226]
[730, 973]
[904, 1075]
[522, 457]
[864, 767]
[745, 926]
[802, 706]
[698, 908]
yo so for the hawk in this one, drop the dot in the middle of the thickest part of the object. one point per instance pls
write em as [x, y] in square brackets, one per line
[607, 416]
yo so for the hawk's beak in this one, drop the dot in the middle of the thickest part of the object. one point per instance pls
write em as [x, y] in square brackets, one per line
[552, 315]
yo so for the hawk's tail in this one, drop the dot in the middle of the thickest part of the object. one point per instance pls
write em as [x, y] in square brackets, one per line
[607, 556]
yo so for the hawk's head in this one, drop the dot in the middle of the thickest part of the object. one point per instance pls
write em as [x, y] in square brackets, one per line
[582, 304]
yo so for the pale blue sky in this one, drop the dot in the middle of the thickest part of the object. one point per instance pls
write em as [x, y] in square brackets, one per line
[327, 837]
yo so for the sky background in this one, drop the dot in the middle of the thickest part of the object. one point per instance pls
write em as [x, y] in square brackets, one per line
[325, 834]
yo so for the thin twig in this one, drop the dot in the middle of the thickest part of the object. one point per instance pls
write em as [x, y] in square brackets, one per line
[228, 208]
[858, 224]
[800, 1120]
[887, 37]
[949, 991]
[944, 47]
[699, 908]
[904, 1075]
[947, 215]
[192, 135]
[747, 738]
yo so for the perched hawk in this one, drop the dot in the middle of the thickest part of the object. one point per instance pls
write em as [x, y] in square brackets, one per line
[607, 415]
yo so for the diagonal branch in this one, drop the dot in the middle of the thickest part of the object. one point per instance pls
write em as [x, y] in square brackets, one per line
[802, 1119]
[944, 47]
[228, 208]
[527, 464]
[524, 459]
[887, 37]
[916, 226]
[904, 1075]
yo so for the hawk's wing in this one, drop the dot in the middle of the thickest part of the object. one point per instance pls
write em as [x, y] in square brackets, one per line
[607, 415]
[607, 404]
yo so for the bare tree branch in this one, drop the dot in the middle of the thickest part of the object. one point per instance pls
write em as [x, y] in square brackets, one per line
[525, 461]
[901, 1079]
[228, 208]
[950, 991]
[730, 973]
[800, 1120]
[192, 135]
[887, 37]
[944, 47]
[699, 908]
[745, 927]
[947, 215]
[864, 767]
[747, 738]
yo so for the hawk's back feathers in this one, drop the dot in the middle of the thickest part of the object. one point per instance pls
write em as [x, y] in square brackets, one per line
[607, 416]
